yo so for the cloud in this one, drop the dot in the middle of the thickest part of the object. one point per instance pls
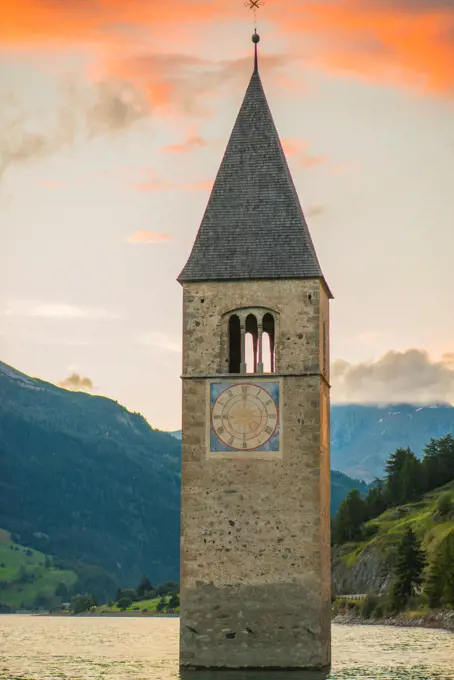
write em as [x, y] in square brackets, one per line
[160, 341]
[147, 236]
[57, 311]
[85, 111]
[314, 211]
[69, 22]
[115, 106]
[203, 185]
[188, 145]
[76, 382]
[409, 376]
[153, 185]
[184, 85]
[157, 184]
[298, 149]
[406, 42]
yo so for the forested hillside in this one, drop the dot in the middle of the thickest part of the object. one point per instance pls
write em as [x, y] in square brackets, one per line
[398, 540]
[87, 481]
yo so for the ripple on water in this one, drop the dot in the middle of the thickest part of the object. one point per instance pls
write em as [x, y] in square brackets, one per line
[53, 648]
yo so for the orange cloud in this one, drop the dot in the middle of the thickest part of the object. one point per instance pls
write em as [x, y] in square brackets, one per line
[203, 185]
[145, 179]
[161, 185]
[189, 145]
[153, 185]
[147, 236]
[61, 22]
[298, 149]
[409, 42]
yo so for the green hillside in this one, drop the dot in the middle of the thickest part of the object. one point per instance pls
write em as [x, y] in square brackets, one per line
[86, 481]
[27, 577]
[386, 531]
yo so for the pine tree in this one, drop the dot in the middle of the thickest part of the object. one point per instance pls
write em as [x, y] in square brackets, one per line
[162, 604]
[440, 580]
[409, 565]
[349, 518]
[411, 479]
[144, 586]
[375, 502]
[403, 477]
[438, 463]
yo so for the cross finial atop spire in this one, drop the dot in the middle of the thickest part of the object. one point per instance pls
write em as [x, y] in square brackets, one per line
[254, 5]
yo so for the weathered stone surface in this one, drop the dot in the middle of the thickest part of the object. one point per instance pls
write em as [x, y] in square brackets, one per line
[371, 572]
[255, 545]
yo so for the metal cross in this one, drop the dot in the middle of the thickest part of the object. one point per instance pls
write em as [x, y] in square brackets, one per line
[254, 5]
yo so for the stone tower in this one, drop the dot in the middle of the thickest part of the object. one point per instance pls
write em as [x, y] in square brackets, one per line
[255, 521]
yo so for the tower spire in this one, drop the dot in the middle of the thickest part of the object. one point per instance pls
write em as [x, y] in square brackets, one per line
[256, 40]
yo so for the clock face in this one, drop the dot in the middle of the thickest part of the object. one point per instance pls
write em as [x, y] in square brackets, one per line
[244, 416]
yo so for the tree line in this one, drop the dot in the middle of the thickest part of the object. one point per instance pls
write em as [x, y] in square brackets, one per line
[167, 592]
[416, 579]
[406, 480]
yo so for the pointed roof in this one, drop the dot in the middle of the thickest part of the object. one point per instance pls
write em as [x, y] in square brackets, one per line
[253, 226]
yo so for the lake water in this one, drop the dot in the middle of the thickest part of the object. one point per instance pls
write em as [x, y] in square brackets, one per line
[53, 648]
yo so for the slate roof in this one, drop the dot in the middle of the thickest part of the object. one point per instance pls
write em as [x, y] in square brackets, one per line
[253, 227]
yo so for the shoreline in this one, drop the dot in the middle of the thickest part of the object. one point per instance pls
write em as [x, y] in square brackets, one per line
[443, 620]
[125, 614]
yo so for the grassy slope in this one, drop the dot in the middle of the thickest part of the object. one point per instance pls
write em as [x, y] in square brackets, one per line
[13, 557]
[144, 605]
[422, 517]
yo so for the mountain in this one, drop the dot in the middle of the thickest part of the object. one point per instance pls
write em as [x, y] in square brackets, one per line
[364, 436]
[85, 480]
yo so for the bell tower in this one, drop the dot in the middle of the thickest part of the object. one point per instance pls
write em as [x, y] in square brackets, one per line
[255, 519]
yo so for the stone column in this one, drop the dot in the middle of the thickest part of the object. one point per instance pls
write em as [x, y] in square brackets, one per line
[243, 367]
[260, 347]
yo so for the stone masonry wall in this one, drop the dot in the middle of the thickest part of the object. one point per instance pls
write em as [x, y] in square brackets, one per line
[255, 581]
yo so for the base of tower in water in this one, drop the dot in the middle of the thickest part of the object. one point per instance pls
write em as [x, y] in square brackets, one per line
[201, 673]
[274, 627]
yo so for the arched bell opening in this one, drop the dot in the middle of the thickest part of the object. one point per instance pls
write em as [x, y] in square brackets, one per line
[234, 344]
[250, 340]
[251, 343]
[268, 343]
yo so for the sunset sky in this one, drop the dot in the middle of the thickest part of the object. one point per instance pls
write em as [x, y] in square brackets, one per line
[114, 115]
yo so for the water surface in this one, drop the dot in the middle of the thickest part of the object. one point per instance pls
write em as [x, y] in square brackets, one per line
[54, 648]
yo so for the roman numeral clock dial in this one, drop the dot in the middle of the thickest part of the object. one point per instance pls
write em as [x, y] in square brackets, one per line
[244, 417]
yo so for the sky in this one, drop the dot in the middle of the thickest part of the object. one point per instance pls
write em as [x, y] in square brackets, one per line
[114, 116]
